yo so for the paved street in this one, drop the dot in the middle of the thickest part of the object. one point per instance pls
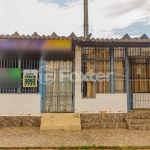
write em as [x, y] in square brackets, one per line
[33, 137]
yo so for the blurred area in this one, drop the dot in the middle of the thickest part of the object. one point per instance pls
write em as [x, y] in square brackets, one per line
[35, 49]
[10, 77]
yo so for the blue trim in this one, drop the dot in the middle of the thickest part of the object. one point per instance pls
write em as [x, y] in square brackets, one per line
[44, 80]
[112, 69]
[127, 80]
[41, 86]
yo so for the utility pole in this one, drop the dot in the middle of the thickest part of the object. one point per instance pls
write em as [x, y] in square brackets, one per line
[86, 24]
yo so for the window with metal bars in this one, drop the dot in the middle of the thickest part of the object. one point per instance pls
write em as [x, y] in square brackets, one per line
[103, 69]
[139, 69]
[119, 69]
[139, 52]
[139, 77]
[23, 64]
[96, 71]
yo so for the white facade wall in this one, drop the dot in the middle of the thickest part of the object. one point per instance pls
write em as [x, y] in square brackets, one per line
[108, 103]
[20, 105]
[141, 100]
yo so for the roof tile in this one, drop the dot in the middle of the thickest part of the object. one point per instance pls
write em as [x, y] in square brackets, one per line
[35, 34]
[72, 35]
[15, 35]
[126, 38]
[144, 36]
[54, 35]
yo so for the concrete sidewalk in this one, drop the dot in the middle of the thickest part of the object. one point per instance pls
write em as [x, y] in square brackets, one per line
[33, 137]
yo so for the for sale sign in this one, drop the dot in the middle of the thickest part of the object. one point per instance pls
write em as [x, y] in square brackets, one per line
[29, 78]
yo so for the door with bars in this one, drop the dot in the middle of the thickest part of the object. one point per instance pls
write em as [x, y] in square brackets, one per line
[59, 92]
[140, 83]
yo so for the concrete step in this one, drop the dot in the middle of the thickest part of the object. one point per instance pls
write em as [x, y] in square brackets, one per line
[60, 121]
[60, 115]
[61, 127]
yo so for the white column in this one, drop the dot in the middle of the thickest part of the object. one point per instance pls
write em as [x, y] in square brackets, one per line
[78, 62]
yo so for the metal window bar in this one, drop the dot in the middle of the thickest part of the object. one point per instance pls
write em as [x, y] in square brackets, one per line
[96, 70]
[103, 69]
[88, 70]
[139, 52]
[25, 64]
[33, 65]
[119, 69]
[60, 92]
[140, 77]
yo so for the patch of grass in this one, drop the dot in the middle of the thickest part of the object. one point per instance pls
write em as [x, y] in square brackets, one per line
[118, 148]
[130, 148]
[102, 147]
[85, 147]
[94, 147]
[62, 147]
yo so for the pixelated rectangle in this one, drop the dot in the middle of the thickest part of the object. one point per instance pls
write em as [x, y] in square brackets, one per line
[10, 77]
[36, 48]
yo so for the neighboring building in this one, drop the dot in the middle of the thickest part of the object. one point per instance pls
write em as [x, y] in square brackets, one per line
[115, 75]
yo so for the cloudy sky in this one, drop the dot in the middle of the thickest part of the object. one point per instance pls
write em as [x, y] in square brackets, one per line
[107, 18]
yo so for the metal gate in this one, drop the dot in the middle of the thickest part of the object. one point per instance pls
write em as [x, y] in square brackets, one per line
[59, 93]
[140, 82]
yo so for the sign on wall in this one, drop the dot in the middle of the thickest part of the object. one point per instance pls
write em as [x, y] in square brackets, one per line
[29, 78]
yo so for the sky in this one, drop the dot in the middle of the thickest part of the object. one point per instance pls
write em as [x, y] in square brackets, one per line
[107, 18]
